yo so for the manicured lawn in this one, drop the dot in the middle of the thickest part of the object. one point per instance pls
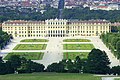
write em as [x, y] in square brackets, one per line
[76, 40]
[78, 46]
[34, 40]
[30, 47]
[27, 55]
[73, 55]
[117, 79]
[49, 76]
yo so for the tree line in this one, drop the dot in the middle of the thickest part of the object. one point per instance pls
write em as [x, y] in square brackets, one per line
[115, 29]
[86, 14]
[97, 63]
[112, 41]
[27, 14]
[52, 13]
[17, 64]
[5, 38]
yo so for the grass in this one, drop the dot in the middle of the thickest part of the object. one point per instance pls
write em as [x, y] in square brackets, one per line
[49, 76]
[30, 47]
[78, 46]
[73, 55]
[76, 40]
[27, 55]
[117, 79]
[34, 40]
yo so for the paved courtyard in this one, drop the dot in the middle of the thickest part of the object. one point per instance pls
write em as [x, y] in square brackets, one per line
[54, 50]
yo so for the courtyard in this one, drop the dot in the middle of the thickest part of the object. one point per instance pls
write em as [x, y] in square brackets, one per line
[54, 49]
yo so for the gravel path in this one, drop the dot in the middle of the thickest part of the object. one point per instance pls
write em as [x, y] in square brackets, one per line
[54, 50]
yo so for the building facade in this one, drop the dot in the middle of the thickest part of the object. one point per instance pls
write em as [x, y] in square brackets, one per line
[56, 28]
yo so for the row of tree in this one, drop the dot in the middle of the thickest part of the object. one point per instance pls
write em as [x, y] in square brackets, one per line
[52, 13]
[112, 40]
[87, 14]
[17, 64]
[97, 63]
[115, 29]
[17, 14]
[4, 39]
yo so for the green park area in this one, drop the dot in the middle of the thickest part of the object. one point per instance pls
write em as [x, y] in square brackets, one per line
[27, 55]
[73, 55]
[34, 40]
[49, 76]
[117, 79]
[78, 46]
[30, 47]
[76, 40]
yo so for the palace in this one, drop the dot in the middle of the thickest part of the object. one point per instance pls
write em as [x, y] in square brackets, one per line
[56, 28]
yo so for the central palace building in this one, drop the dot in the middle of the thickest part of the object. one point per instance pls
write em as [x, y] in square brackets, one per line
[56, 28]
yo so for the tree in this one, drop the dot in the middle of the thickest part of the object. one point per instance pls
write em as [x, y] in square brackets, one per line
[97, 63]
[78, 64]
[71, 66]
[56, 67]
[116, 70]
[118, 49]
[114, 41]
[15, 61]
[2, 66]
[9, 68]
[118, 46]
[36, 67]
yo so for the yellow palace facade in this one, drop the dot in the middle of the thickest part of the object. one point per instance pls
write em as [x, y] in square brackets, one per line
[56, 28]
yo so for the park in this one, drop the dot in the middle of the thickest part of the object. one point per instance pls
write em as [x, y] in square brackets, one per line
[51, 50]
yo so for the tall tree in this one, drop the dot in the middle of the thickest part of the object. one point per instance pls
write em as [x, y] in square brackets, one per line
[97, 62]
[15, 61]
[78, 64]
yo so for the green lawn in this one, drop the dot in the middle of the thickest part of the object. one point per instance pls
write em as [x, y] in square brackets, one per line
[27, 55]
[117, 79]
[49, 76]
[34, 40]
[30, 47]
[78, 46]
[76, 40]
[73, 55]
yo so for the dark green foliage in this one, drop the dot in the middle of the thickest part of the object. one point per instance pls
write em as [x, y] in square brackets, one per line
[118, 46]
[114, 29]
[97, 63]
[52, 13]
[20, 65]
[4, 39]
[35, 67]
[55, 67]
[27, 14]
[86, 14]
[116, 70]
[15, 61]
[78, 64]
[114, 41]
[111, 39]
[66, 66]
